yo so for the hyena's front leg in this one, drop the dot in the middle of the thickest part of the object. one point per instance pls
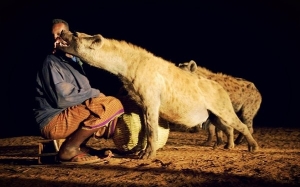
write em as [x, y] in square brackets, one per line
[219, 136]
[249, 124]
[210, 128]
[151, 118]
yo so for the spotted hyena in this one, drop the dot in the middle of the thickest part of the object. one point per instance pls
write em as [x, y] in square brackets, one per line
[245, 98]
[159, 87]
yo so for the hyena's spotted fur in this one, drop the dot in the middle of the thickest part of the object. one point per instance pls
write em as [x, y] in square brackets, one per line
[245, 98]
[159, 87]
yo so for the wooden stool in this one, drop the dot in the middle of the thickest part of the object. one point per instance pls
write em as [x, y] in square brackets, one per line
[47, 152]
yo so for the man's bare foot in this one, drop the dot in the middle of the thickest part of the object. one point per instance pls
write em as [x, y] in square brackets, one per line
[68, 152]
[82, 158]
[73, 155]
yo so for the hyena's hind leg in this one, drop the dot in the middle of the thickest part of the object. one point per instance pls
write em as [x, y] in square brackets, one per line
[241, 138]
[243, 129]
[226, 118]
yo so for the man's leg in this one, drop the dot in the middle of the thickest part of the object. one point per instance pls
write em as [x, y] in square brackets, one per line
[71, 146]
[77, 124]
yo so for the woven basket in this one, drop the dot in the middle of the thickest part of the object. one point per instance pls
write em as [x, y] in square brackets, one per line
[129, 135]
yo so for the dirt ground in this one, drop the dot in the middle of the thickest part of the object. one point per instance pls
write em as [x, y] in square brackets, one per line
[181, 162]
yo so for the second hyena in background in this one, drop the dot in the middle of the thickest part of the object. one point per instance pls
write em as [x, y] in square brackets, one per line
[245, 98]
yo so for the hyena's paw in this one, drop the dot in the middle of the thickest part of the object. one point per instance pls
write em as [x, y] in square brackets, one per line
[218, 143]
[148, 153]
[229, 146]
[207, 143]
[253, 148]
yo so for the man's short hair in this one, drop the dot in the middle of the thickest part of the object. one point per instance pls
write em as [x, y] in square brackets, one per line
[55, 21]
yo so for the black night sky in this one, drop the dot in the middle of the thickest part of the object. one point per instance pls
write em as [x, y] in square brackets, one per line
[254, 40]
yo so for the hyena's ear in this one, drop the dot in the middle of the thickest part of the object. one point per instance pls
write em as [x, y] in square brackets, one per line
[192, 66]
[81, 34]
[96, 41]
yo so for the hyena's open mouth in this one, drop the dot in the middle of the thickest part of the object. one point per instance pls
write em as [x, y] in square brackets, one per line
[61, 42]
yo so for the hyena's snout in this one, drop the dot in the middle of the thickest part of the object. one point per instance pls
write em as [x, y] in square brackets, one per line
[66, 37]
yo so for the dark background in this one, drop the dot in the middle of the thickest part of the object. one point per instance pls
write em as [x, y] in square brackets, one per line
[254, 40]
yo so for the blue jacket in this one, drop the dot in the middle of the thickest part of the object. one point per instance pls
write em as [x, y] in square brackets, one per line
[59, 84]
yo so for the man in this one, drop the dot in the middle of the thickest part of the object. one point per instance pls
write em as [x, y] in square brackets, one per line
[66, 107]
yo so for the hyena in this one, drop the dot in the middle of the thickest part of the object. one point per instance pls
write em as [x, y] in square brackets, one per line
[159, 87]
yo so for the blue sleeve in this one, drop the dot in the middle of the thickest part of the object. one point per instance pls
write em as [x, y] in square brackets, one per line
[70, 87]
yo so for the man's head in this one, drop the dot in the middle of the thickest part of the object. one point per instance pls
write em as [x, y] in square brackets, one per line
[57, 26]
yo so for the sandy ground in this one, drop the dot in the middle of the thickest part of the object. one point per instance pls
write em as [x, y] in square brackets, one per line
[181, 162]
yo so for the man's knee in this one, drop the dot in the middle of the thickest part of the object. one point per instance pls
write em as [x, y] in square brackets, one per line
[115, 103]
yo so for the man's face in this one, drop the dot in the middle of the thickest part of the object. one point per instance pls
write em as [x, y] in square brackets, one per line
[57, 28]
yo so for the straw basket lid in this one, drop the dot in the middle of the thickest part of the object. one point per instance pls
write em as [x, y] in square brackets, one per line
[129, 135]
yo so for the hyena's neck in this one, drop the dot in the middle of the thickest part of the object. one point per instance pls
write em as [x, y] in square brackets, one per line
[204, 72]
[118, 57]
